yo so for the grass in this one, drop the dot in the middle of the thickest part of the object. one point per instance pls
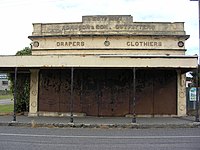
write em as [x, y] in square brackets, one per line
[9, 96]
[6, 108]
[6, 94]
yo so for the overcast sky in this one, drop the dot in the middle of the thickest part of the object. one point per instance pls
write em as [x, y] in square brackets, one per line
[17, 16]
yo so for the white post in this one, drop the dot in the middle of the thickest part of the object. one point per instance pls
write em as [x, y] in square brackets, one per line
[181, 94]
[33, 104]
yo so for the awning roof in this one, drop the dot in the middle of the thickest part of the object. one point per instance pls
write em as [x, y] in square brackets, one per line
[114, 61]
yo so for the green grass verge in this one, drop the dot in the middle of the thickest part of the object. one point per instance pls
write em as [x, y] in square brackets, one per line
[6, 108]
[10, 96]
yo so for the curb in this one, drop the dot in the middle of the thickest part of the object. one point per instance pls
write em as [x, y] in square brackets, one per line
[100, 126]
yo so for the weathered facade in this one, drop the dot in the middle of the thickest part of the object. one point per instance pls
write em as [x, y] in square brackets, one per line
[107, 66]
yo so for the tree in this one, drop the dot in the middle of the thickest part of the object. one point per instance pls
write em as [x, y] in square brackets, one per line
[23, 85]
[25, 51]
[194, 76]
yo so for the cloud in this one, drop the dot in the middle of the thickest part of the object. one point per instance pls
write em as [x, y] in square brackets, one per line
[17, 16]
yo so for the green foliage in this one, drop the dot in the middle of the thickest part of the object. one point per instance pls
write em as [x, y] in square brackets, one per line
[6, 96]
[25, 51]
[194, 76]
[22, 91]
[23, 85]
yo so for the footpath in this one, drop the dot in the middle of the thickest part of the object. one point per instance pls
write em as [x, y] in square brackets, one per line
[100, 122]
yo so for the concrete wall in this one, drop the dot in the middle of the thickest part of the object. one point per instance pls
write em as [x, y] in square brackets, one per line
[109, 35]
[109, 45]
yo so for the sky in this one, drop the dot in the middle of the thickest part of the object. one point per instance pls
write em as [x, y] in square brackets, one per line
[17, 16]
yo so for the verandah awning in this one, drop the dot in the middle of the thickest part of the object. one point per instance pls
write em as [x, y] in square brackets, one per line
[138, 61]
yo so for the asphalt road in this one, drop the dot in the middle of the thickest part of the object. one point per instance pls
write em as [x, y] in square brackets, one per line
[15, 138]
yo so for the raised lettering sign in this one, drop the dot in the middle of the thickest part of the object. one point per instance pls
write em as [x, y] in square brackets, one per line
[107, 43]
[144, 44]
[88, 27]
[70, 44]
[105, 18]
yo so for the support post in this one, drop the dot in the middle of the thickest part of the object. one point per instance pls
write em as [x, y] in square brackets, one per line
[134, 91]
[197, 96]
[181, 95]
[71, 95]
[33, 101]
[15, 95]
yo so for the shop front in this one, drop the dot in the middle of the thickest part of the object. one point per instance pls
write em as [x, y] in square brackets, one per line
[106, 66]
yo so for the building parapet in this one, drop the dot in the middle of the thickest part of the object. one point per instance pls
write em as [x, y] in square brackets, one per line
[108, 24]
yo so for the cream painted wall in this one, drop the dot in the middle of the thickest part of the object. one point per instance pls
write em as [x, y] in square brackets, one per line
[181, 94]
[33, 104]
[116, 45]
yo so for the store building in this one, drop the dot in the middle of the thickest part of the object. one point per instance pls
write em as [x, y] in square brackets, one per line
[106, 66]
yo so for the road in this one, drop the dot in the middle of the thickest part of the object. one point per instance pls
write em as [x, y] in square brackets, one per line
[6, 101]
[15, 138]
